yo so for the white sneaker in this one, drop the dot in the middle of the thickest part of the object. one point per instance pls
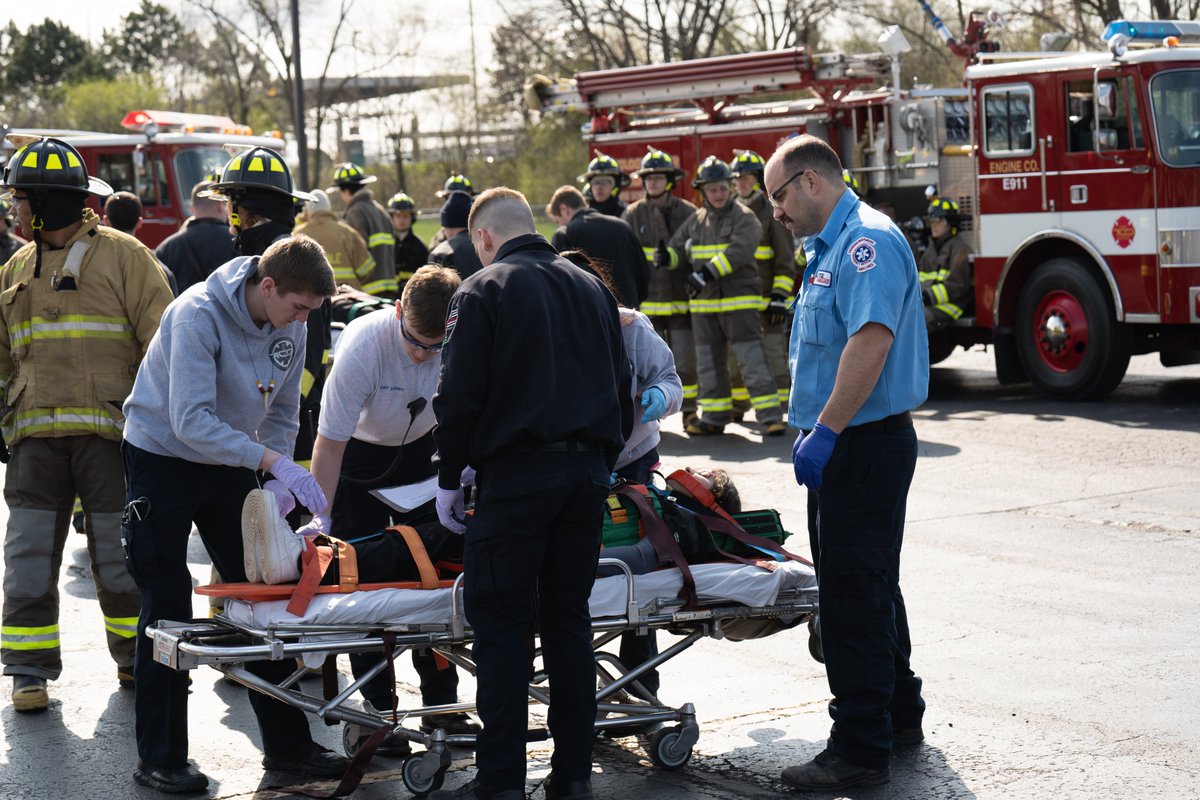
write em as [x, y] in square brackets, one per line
[271, 549]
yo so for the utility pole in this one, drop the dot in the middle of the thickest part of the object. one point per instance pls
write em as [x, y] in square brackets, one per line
[474, 82]
[298, 97]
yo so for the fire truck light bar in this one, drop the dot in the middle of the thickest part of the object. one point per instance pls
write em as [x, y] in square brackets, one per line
[1154, 30]
[172, 120]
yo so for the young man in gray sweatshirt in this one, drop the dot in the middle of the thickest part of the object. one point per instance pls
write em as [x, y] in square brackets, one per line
[217, 398]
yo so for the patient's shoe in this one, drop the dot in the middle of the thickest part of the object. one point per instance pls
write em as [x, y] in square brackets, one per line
[452, 724]
[271, 550]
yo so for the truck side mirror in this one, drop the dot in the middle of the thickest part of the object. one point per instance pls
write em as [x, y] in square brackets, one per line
[1106, 139]
[1106, 100]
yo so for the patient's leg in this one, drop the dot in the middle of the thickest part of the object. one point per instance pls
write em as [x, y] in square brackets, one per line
[640, 558]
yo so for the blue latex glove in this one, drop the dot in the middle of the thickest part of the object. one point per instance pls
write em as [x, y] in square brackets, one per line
[655, 403]
[451, 510]
[283, 496]
[301, 482]
[811, 453]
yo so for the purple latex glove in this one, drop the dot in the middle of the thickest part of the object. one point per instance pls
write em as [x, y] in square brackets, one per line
[468, 476]
[451, 510]
[811, 453]
[283, 496]
[318, 525]
[302, 483]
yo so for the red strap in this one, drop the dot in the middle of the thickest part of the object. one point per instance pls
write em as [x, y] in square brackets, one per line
[698, 491]
[316, 562]
[663, 540]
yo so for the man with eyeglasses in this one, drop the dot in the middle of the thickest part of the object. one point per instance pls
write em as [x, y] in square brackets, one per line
[376, 430]
[860, 363]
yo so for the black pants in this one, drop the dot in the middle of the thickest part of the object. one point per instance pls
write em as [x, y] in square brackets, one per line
[636, 649]
[176, 494]
[356, 513]
[534, 538]
[864, 625]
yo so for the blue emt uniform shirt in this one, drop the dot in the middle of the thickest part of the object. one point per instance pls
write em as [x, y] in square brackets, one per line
[860, 269]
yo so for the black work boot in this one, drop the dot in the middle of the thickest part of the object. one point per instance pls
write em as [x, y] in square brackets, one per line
[829, 773]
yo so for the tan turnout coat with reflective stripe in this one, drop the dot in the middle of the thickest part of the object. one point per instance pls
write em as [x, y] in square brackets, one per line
[727, 238]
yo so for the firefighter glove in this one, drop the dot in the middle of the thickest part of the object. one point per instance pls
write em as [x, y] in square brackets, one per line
[655, 403]
[283, 496]
[662, 256]
[811, 453]
[777, 309]
[302, 483]
[708, 271]
[451, 510]
[320, 524]
[927, 296]
[695, 283]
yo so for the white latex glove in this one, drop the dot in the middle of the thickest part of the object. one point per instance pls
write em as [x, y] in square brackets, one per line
[318, 525]
[451, 510]
[468, 476]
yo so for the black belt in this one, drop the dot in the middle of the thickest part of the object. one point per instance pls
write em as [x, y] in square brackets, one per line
[562, 446]
[895, 422]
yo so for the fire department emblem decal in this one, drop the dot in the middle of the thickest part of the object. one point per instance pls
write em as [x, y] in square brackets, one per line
[1123, 232]
[282, 353]
[862, 253]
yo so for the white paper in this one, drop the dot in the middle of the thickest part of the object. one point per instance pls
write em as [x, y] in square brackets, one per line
[409, 497]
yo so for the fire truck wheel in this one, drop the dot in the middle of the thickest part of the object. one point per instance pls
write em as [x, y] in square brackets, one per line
[1068, 340]
[941, 346]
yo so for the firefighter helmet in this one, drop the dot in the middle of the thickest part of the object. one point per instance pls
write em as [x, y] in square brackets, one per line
[748, 162]
[350, 174]
[713, 170]
[605, 166]
[656, 162]
[456, 183]
[851, 183]
[402, 202]
[258, 168]
[943, 208]
[50, 165]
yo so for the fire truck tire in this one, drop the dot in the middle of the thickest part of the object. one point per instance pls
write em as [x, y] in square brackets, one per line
[941, 346]
[1070, 344]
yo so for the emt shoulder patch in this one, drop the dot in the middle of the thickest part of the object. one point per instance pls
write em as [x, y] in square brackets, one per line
[862, 253]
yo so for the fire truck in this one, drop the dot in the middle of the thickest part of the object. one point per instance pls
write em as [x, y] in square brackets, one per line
[165, 155]
[1078, 174]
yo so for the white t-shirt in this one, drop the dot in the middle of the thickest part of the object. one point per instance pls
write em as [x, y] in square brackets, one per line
[372, 382]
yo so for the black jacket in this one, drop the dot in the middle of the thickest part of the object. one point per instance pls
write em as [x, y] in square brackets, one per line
[533, 354]
[194, 252]
[614, 206]
[457, 252]
[613, 242]
[411, 255]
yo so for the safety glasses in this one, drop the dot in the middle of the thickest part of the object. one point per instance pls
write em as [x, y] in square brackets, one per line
[428, 348]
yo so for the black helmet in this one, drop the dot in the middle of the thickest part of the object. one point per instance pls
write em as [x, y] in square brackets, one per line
[656, 162]
[456, 183]
[748, 162]
[51, 165]
[851, 182]
[943, 208]
[713, 170]
[258, 168]
[350, 174]
[402, 202]
[603, 165]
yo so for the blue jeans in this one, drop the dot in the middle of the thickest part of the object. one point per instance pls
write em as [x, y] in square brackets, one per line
[864, 625]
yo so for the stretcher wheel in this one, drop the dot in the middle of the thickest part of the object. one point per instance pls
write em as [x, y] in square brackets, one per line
[665, 751]
[419, 778]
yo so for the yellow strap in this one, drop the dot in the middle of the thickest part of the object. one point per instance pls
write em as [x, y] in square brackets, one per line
[429, 577]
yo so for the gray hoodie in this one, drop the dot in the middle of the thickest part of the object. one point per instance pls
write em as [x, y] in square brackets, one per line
[653, 365]
[196, 395]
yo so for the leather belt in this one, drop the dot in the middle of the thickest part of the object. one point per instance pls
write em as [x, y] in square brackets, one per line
[895, 422]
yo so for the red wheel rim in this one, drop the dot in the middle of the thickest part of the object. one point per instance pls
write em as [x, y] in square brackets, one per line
[1060, 331]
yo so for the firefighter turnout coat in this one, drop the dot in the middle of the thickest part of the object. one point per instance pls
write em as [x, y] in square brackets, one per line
[345, 249]
[774, 254]
[728, 238]
[667, 290]
[946, 287]
[374, 225]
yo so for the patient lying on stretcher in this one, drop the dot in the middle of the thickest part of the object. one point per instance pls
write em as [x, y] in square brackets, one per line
[385, 556]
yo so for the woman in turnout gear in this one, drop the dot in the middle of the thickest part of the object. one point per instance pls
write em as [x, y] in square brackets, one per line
[411, 252]
[717, 247]
[603, 183]
[371, 221]
[654, 218]
[945, 268]
[776, 270]
[79, 306]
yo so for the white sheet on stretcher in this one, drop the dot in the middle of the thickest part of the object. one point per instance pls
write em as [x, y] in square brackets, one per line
[715, 583]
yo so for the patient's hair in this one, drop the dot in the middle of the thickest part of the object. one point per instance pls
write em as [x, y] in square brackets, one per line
[597, 267]
[724, 491]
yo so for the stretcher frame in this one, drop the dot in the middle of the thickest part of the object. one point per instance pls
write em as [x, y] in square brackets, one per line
[624, 705]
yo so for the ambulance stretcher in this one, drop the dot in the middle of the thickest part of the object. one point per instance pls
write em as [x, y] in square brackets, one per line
[736, 601]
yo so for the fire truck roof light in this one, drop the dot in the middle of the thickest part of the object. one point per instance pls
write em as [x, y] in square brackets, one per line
[1147, 31]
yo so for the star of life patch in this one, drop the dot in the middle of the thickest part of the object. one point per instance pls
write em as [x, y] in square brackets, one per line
[862, 253]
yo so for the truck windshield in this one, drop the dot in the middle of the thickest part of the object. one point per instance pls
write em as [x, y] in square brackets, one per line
[1175, 97]
[192, 164]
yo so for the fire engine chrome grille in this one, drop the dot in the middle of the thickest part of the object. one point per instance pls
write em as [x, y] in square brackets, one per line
[1179, 247]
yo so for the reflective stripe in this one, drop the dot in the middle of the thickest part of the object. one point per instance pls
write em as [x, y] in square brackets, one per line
[740, 393]
[765, 401]
[307, 379]
[701, 252]
[717, 305]
[60, 421]
[382, 285]
[342, 274]
[716, 404]
[650, 252]
[378, 239]
[654, 309]
[674, 258]
[691, 391]
[950, 310]
[940, 294]
[13, 637]
[938, 275]
[125, 627]
[70, 326]
[365, 268]
[784, 284]
[78, 509]
[764, 252]
[722, 266]
[785, 395]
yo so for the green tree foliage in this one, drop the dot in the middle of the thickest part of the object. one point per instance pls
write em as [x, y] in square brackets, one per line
[37, 63]
[99, 105]
[147, 40]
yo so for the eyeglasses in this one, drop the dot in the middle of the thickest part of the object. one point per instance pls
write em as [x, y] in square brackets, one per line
[777, 196]
[428, 348]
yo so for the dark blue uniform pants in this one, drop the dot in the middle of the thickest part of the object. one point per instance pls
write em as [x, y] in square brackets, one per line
[864, 626]
[356, 512]
[534, 537]
[156, 534]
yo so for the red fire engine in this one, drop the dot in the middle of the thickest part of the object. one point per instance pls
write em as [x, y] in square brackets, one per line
[169, 154]
[1079, 174]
